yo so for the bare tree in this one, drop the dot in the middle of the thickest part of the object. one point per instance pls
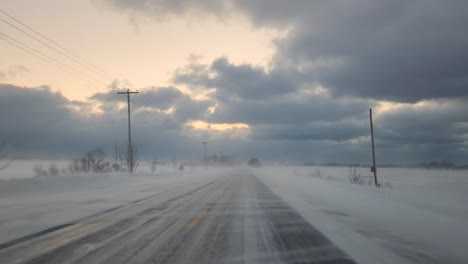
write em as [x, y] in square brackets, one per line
[131, 156]
[39, 171]
[53, 170]
[96, 160]
[356, 178]
[92, 161]
[119, 159]
[123, 156]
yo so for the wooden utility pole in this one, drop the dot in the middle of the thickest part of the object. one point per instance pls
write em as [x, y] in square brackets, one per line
[374, 168]
[206, 153]
[130, 146]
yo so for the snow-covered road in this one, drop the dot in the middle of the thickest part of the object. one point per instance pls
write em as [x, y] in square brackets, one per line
[236, 215]
[229, 218]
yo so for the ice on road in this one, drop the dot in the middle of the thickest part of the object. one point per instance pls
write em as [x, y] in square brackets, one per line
[231, 218]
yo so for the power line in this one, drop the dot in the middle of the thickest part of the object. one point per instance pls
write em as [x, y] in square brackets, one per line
[112, 78]
[58, 64]
[75, 72]
[156, 118]
[54, 49]
[44, 59]
[55, 43]
[70, 69]
[66, 67]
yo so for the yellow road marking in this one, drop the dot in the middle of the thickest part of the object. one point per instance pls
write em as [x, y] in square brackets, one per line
[196, 221]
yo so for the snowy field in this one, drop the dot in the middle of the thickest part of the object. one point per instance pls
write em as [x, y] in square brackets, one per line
[420, 219]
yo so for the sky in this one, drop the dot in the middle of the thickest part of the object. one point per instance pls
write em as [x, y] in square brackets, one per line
[278, 80]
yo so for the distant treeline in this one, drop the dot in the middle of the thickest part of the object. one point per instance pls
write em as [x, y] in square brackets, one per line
[425, 165]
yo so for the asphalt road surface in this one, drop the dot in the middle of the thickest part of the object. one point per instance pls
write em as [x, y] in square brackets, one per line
[234, 219]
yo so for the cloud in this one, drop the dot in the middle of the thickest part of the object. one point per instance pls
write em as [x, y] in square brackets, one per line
[309, 114]
[163, 9]
[315, 116]
[397, 50]
[403, 51]
[34, 119]
[434, 122]
[293, 109]
[334, 60]
[316, 131]
[248, 94]
[393, 50]
[14, 72]
[242, 81]
[39, 122]
[160, 100]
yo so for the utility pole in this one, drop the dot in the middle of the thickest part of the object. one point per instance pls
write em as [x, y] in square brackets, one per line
[374, 168]
[206, 154]
[130, 146]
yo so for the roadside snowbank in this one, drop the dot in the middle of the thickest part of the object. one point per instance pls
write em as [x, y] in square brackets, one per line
[422, 219]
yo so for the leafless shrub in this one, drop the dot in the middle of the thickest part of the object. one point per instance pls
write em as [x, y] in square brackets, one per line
[316, 174]
[75, 167]
[39, 171]
[53, 170]
[95, 161]
[92, 161]
[125, 158]
[356, 178]
[119, 159]
[131, 157]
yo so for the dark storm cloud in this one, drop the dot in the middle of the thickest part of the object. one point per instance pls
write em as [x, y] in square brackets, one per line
[334, 61]
[318, 131]
[394, 50]
[159, 99]
[435, 122]
[360, 51]
[303, 113]
[243, 81]
[418, 52]
[290, 109]
[37, 121]
[247, 94]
